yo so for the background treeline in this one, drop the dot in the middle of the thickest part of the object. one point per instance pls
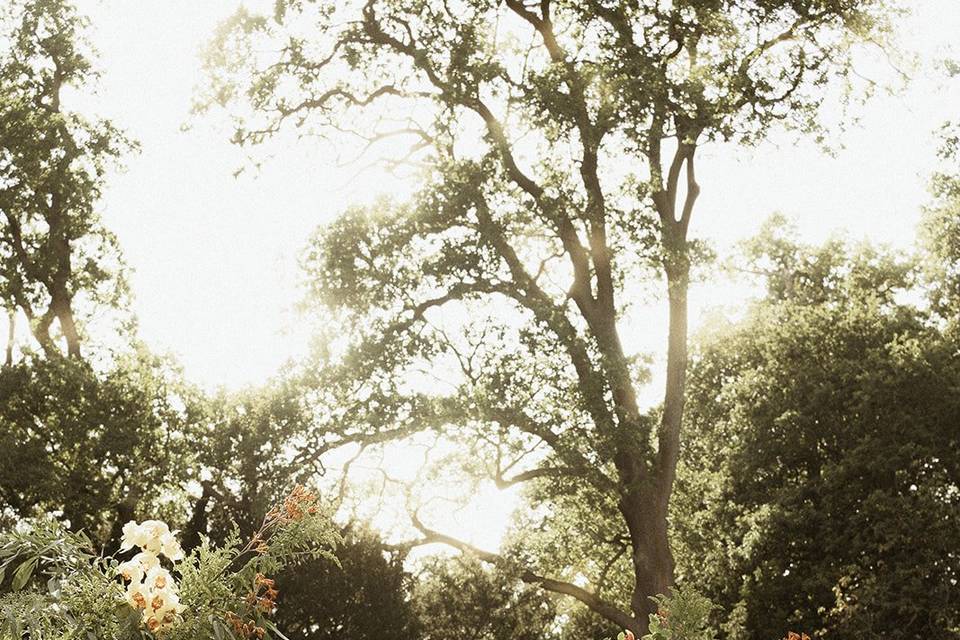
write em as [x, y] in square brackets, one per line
[818, 486]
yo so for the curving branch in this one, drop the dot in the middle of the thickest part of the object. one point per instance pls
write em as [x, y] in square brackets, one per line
[566, 231]
[594, 602]
[502, 482]
[535, 299]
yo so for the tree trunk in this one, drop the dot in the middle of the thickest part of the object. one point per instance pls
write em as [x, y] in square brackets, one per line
[673, 399]
[645, 506]
[198, 523]
[124, 512]
[11, 331]
[69, 328]
[650, 546]
[41, 331]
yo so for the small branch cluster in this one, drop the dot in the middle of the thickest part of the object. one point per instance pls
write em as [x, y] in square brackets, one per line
[296, 505]
[261, 599]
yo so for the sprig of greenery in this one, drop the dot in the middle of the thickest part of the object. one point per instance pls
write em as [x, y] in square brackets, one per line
[684, 614]
[225, 589]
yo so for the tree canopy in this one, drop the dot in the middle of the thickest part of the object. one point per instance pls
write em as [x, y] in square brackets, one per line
[819, 487]
[800, 469]
[555, 143]
[54, 251]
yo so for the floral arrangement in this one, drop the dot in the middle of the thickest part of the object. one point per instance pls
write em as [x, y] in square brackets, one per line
[60, 587]
[151, 588]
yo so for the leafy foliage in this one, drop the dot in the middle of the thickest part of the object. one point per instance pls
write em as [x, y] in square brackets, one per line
[940, 233]
[97, 444]
[461, 597]
[220, 587]
[363, 595]
[554, 147]
[249, 456]
[819, 490]
[682, 615]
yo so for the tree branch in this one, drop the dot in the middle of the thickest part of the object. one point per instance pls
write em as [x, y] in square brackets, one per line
[594, 602]
[525, 476]
[566, 231]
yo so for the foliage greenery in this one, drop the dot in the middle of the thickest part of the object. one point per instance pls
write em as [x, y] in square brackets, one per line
[822, 451]
[553, 145]
[61, 588]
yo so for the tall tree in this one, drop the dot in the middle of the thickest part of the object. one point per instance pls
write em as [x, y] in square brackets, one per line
[103, 436]
[819, 487]
[555, 142]
[52, 162]
[96, 448]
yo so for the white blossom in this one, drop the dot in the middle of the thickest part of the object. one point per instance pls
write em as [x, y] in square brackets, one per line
[133, 536]
[170, 547]
[151, 587]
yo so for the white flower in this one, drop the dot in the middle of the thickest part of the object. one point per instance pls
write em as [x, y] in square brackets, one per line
[153, 536]
[171, 602]
[163, 609]
[155, 530]
[152, 588]
[134, 535]
[140, 564]
[131, 570]
[146, 560]
[158, 578]
[170, 547]
[137, 595]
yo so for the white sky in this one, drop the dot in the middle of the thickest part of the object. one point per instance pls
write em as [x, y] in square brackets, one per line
[215, 257]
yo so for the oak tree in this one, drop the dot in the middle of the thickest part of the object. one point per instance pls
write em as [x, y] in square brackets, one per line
[818, 488]
[554, 146]
[53, 248]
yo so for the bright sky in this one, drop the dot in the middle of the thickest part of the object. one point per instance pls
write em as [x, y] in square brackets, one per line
[215, 257]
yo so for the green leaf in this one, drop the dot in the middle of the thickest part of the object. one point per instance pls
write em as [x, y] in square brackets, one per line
[217, 631]
[23, 573]
[273, 628]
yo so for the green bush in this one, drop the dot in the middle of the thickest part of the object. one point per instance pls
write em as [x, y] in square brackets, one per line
[59, 587]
